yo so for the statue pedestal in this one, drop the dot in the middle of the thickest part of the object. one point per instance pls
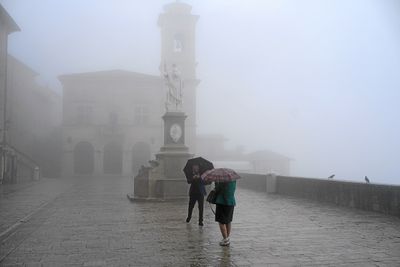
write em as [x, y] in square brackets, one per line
[165, 179]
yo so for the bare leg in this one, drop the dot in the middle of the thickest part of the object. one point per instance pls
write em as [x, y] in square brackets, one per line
[228, 229]
[222, 228]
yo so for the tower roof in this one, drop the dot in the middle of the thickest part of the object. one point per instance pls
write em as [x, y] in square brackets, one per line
[177, 8]
[5, 18]
[180, 12]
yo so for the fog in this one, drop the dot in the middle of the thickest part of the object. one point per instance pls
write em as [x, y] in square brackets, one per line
[317, 81]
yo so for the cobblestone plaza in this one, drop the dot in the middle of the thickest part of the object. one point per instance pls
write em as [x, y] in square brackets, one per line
[90, 222]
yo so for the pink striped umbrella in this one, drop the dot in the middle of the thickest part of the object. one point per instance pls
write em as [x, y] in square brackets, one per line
[220, 175]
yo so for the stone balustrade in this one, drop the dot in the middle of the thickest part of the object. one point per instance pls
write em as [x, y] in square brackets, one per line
[371, 197]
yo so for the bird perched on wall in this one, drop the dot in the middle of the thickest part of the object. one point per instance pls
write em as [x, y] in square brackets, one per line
[331, 177]
[366, 179]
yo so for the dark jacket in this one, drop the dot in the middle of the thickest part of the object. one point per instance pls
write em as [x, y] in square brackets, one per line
[197, 187]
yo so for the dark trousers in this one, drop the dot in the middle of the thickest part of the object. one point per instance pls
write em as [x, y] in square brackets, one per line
[200, 203]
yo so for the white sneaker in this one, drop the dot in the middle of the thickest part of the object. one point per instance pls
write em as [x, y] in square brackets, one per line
[225, 242]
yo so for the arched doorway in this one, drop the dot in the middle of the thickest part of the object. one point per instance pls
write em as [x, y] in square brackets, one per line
[112, 159]
[140, 156]
[83, 158]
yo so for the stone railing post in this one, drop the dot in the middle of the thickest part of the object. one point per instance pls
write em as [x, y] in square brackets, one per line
[271, 183]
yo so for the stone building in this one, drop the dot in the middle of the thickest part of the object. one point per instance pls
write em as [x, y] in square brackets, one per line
[112, 119]
[7, 26]
[265, 161]
[212, 147]
[34, 116]
[29, 114]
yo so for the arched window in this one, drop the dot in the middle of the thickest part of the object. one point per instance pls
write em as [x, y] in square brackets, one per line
[178, 43]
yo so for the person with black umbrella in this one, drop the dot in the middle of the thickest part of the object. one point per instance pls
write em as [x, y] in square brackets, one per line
[193, 170]
[197, 192]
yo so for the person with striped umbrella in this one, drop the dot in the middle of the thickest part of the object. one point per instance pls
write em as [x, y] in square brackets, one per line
[225, 187]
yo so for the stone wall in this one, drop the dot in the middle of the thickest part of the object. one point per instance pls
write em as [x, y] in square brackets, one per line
[256, 182]
[370, 197]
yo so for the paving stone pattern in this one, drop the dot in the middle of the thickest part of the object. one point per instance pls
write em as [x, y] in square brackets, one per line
[94, 224]
[20, 200]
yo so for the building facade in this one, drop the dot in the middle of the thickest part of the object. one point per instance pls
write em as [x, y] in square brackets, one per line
[34, 120]
[30, 116]
[265, 161]
[7, 26]
[112, 120]
[212, 147]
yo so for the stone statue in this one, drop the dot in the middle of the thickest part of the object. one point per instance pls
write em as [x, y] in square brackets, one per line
[174, 84]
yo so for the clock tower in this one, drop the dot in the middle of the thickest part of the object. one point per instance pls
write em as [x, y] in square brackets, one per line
[178, 27]
[166, 179]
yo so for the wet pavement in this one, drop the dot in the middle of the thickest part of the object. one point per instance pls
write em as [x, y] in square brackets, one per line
[90, 222]
[21, 201]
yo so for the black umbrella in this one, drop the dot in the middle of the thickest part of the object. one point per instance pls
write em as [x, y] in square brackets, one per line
[204, 165]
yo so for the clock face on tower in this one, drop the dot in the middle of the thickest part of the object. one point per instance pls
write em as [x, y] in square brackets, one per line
[175, 132]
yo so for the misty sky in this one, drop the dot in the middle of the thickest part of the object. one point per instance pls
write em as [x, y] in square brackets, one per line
[318, 81]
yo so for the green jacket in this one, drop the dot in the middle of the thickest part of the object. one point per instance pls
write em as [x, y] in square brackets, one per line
[226, 193]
